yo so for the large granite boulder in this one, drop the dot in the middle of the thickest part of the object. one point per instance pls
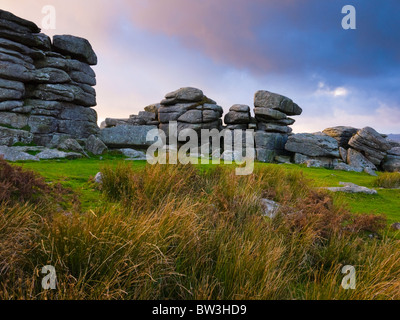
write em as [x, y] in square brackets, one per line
[341, 134]
[372, 144]
[183, 95]
[313, 145]
[357, 161]
[269, 100]
[75, 47]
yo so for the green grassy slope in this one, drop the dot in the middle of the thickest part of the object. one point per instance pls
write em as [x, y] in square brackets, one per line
[76, 175]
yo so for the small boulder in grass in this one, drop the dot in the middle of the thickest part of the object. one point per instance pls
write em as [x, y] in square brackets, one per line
[98, 178]
[396, 226]
[271, 208]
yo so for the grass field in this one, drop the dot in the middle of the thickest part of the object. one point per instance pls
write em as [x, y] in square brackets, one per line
[192, 232]
[76, 174]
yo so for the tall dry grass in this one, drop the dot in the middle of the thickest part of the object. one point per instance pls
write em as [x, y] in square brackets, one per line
[388, 180]
[180, 232]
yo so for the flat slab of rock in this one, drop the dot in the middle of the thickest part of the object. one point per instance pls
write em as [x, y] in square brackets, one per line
[15, 154]
[133, 154]
[263, 114]
[313, 145]
[272, 127]
[24, 154]
[316, 162]
[352, 188]
[126, 136]
[50, 154]
[266, 99]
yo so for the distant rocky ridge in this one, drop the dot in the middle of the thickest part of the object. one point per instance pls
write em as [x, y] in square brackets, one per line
[340, 148]
[394, 137]
[47, 95]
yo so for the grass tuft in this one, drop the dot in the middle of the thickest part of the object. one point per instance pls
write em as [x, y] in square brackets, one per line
[389, 180]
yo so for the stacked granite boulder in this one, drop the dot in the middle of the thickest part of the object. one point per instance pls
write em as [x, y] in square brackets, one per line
[238, 117]
[272, 113]
[46, 89]
[371, 144]
[191, 109]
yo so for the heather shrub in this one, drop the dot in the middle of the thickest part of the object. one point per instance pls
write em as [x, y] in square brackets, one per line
[20, 185]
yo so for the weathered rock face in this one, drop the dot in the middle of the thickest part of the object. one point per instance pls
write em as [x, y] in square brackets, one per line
[9, 137]
[313, 145]
[315, 162]
[392, 163]
[75, 46]
[45, 88]
[342, 135]
[95, 145]
[371, 144]
[269, 145]
[357, 161]
[126, 136]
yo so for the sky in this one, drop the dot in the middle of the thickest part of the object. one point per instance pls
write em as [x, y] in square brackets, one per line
[232, 48]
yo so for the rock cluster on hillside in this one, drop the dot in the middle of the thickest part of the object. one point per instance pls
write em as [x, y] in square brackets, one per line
[345, 148]
[46, 88]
